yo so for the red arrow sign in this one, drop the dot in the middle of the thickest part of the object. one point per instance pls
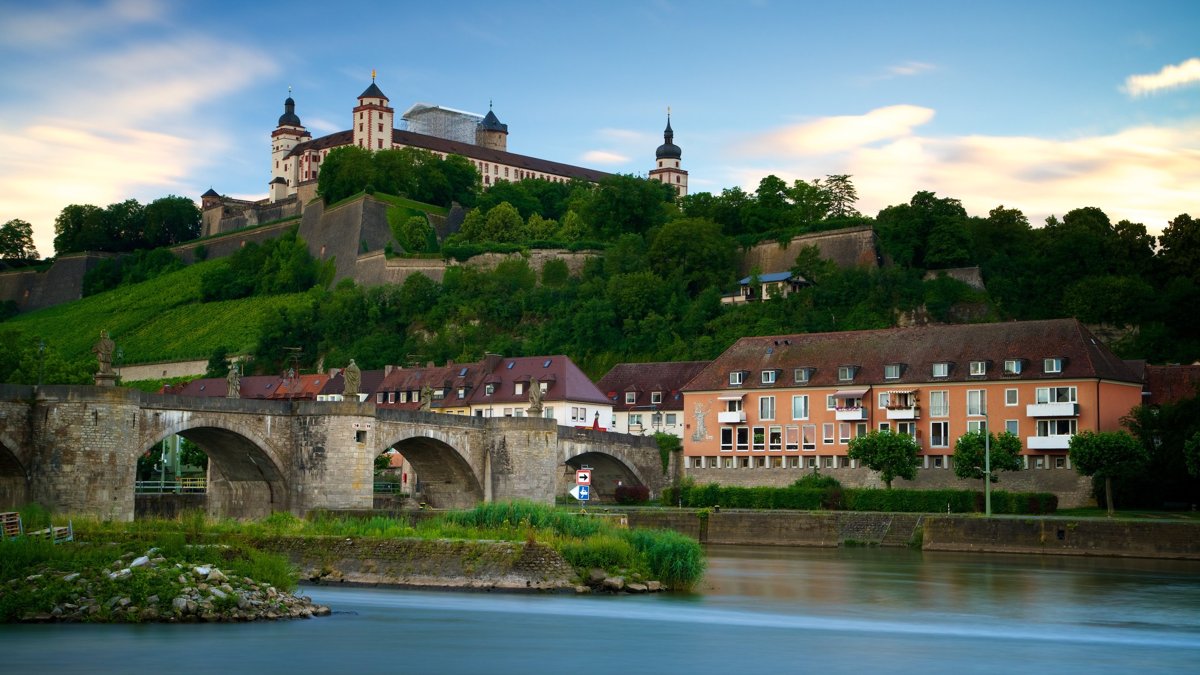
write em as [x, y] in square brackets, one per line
[583, 477]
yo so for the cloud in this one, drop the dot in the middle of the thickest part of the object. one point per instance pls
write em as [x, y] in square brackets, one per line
[66, 23]
[1170, 77]
[319, 126]
[603, 157]
[909, 68]
[1144, 174]
[835, 134]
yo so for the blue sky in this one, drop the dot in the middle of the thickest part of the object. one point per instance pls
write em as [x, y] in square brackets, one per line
[1042, 106]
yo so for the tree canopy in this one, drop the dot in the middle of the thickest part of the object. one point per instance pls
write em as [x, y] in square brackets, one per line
[969, 450]
[892, 455]
[16, 241]
[1108, 455]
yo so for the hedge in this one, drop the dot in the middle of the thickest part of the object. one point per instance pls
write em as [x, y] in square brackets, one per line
[836, 498]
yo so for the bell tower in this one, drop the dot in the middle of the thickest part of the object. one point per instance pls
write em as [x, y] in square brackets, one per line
[667, 159]
[373, 118]
[289, 133]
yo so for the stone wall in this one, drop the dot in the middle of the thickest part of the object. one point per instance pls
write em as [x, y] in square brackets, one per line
[439, 563]
[63, 282]
[346, 231]
[848, 247]
[1073, 490]
[229, 243]
[162, 369]
[376, 269]
[537, 259]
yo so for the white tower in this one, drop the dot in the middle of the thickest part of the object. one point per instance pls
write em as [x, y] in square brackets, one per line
[667, 157]
[373, 119]
[287, 135]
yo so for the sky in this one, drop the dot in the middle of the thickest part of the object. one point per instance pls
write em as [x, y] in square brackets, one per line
[1041, 106]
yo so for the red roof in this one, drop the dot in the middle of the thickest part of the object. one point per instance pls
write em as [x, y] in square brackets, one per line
[1169, 384]
[643, 379]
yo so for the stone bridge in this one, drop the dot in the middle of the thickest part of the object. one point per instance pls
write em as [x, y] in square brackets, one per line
[75, 449]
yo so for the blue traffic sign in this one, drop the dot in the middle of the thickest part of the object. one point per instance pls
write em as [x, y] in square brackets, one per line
[582, 492]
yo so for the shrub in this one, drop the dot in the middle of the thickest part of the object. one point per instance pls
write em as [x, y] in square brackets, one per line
[632, 494]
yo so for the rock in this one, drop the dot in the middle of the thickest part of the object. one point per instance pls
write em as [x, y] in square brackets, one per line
[120, 574]
[635, 588]
[321, 610]
[139, 561]
[218, 593]
[596, 576]
[215, 576]
[33, 577]
[654, 586]
[180, 604]
[583, 590]
[71, 577]
[614, 583]
[152, 600]
[202, 570]
[124, 602]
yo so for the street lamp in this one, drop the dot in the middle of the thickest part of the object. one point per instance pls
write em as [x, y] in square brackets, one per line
[987, 465]
[41, 347]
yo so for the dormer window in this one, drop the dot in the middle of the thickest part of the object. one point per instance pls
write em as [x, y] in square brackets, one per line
[847, 373]
[891, 371]
[439, 394]
[768, 377]
[978, 368]
[489, 389]
[656, 397]
[1012, 366]
[802, 375]
[737, 377]
[519, 388]
[630, 397]
[462, 392]
[941, 369]
[1052, 365]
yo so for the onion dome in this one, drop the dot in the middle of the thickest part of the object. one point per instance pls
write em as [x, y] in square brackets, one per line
[289, 118]
[668, 150]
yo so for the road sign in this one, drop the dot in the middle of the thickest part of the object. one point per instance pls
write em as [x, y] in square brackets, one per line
[583, 477]
[581, 492]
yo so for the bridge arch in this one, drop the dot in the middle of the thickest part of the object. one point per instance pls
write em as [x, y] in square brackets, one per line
[608, 472]
[246, 478]
[445, 478]
[14, 484]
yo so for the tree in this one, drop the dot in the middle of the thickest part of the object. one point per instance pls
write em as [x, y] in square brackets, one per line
[841, 195]
[892, 455]
[416, 235]
[969, 450]
[1107, 455]
[1191, 454]
[346, 171]
[218, 363]
[171, 220]
[694, 252]
[16, 241]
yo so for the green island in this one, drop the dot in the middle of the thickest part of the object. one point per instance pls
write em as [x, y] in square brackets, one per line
[191, 568]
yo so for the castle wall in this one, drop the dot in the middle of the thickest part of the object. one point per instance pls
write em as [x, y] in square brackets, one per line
[228, 244]
[848, 247]
[345, 231]
[63, 282]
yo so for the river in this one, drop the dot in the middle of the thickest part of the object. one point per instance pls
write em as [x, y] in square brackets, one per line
[759, 610]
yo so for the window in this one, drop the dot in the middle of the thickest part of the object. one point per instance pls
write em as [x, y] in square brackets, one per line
[635, 420]
[976, 425]
[843, 433]
[976, 401]
[1013, 427]
[726, 439]
[831, 402]
[404, 397]
[760, 438]
[846, 373]
[1060, 462]
[937, 462]
[941, 369]
[439, 394]
[671, 419]
[827, 433]
[630, 397]
[907, 428]
[735, 378]
[860, 429]
[1056, 427]
[743, 439]
[809, 436]
[729, 462]
[489, 389]
[656, 397]
[885, 426]
[462, 392]
[791, 438]
[766, 408]
[391, 397]
[519, 388]
[379, 397]
[1056, 395]
[508, 412]
[800, 407]
[978, 368]
[775, 438]
[768, 377]
[1010, 397]
[939, 403]
[1012, 366]
[939, 434]
[733, 406]
[802, 375]
[885, 399]
[891, 371]
[1052, 365]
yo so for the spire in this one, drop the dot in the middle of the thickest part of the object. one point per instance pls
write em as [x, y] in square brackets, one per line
[668, 150]
[289, 117]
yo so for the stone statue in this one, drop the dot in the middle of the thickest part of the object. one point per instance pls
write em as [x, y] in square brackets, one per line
[426, 398]
[234, 381]
[700, 433]
[104, 353]
[351, 379]
[535, 398]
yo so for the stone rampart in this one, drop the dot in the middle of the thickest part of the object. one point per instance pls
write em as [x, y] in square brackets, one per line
[227, 244]
[63, 282]
[848, 247]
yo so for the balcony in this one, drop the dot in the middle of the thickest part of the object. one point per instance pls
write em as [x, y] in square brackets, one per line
[911, 412]
[1052, 410]
[1047, 442]
[731, 417]
[850, 414]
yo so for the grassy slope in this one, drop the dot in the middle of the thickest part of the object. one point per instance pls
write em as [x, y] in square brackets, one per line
[161, 319]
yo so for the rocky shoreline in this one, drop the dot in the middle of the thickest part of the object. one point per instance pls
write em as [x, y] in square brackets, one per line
[150, 588]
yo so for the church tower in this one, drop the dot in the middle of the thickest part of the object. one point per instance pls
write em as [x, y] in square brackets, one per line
[667, 168]
[289, 133]
[490, 133]
[373, 119]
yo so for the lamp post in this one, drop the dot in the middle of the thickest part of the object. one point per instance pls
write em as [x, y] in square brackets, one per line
[41, 347]
[987, 465]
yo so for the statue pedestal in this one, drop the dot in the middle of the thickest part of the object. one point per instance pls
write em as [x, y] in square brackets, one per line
[106, 379]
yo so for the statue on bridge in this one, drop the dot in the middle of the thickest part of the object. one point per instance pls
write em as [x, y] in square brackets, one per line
[535, 398]
[352, 380]
[104, 353]
[426, 398]
[233, 381]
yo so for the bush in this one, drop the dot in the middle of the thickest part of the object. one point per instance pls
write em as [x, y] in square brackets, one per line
[633, 494]
[801, 496]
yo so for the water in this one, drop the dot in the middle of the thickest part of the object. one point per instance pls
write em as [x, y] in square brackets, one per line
[759, 610]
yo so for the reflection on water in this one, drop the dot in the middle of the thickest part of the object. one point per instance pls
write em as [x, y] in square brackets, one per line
[759, 610]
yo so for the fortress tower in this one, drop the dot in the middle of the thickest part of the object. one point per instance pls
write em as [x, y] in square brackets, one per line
[288, 134]
[491, 133]
[667, 158]
[373, 119]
